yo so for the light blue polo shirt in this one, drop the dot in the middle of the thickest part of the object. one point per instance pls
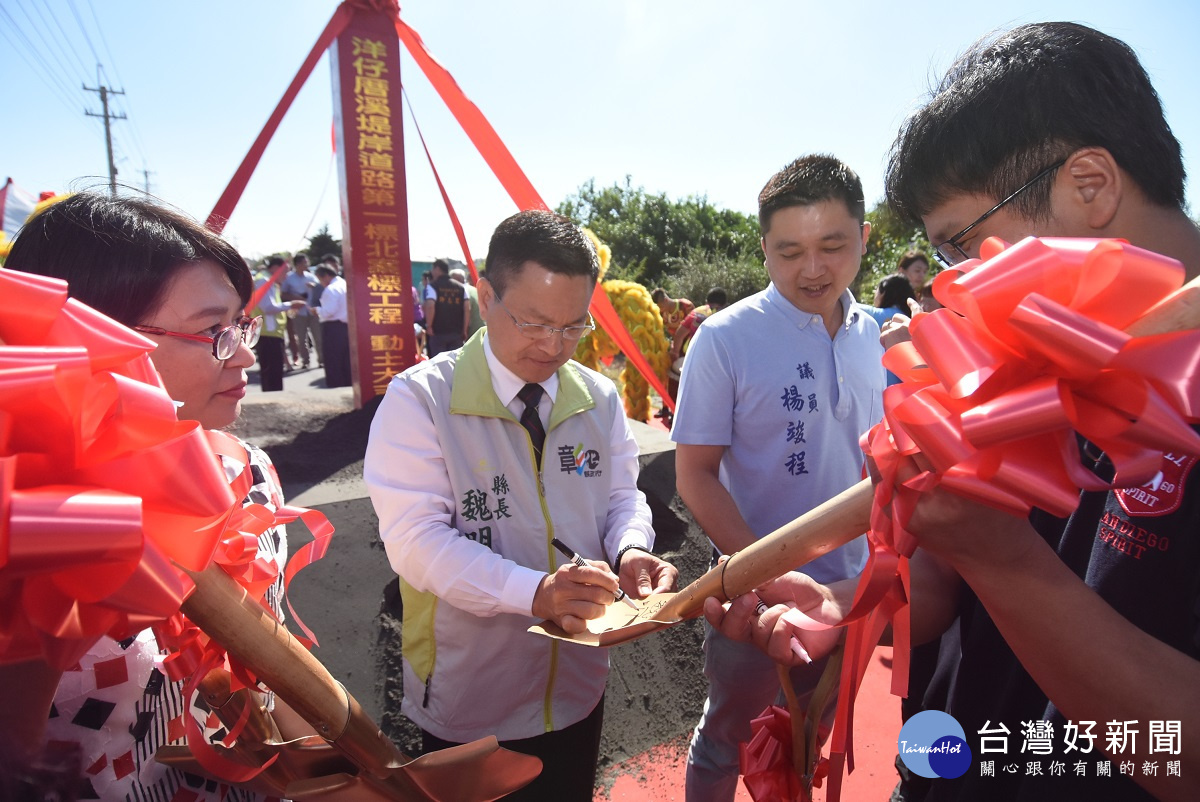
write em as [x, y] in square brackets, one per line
[766, 380]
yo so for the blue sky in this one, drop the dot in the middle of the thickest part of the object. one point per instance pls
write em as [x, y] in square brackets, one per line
[685, 96]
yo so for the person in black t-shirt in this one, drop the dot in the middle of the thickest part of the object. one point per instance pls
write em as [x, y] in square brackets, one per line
[447, 311]
[1088, 625]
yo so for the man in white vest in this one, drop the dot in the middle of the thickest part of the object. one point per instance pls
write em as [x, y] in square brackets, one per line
[477, 459]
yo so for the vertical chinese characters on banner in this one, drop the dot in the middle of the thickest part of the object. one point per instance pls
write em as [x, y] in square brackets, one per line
[366, 63]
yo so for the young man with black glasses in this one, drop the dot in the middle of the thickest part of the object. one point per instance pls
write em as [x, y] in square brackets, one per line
[1053, 129]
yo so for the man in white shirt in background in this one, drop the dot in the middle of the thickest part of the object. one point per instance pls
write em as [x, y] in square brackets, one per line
[776, 390]
[335, 331]
[296, 286]
[477, 459]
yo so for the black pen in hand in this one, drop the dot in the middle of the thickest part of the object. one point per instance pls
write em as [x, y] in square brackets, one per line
[620, 595]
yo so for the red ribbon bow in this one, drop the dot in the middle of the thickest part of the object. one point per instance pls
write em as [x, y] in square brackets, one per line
[87, 540]
[1029, 350]
[766, 760]
[103, 490]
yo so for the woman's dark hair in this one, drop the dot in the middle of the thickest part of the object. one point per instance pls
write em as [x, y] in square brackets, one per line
[118, 255]
[910, 257]
[894, 291]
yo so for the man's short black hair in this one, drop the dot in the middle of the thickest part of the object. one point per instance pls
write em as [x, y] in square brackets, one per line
[442, 265]
[716, 297]
[1018, 101]
[549, 239]
[809, 180]
[325, 270]
[275, 261]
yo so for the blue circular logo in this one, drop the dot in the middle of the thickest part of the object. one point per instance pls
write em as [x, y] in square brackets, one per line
[933, 744]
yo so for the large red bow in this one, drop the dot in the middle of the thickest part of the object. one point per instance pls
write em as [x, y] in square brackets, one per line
[1029, 351]
[101, 487]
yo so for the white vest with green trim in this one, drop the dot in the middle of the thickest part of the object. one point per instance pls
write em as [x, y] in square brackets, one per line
[466, 676]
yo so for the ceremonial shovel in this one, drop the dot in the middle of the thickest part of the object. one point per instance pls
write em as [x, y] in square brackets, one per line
[817, 532]
[351, 760]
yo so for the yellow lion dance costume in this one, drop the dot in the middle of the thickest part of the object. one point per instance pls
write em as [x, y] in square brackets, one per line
[644, 322]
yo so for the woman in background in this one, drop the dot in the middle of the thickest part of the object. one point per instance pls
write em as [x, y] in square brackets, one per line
[891, 299]
[914, 266]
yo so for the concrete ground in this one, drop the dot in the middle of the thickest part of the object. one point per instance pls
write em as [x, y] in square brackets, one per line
[656, 689]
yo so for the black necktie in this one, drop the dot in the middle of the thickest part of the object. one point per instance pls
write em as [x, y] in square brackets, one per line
[531, 394]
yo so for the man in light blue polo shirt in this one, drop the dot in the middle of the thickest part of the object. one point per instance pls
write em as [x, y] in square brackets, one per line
[775, 392]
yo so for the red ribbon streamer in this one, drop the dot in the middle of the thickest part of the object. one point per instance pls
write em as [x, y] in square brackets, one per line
[458, 229]
[261, 291]
[221, 212]
[518, 186]
[473, 123]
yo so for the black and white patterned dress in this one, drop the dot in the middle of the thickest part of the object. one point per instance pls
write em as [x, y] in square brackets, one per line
[118, 706]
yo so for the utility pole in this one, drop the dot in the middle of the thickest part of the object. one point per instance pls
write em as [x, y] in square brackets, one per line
[146, 179]
[104, 93]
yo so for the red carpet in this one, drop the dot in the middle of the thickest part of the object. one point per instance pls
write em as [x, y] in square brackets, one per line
[657, 775]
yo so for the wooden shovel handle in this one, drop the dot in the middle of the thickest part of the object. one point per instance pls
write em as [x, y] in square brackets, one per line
[818, 531]
[1179, 311]
[847, 515]
[221, 608]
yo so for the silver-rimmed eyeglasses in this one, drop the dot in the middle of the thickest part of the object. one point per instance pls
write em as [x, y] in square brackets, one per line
[539, 331]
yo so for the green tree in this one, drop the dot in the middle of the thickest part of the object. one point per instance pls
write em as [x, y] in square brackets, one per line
[890, 238]
[322, 244]
[696, 272]
[646, 232]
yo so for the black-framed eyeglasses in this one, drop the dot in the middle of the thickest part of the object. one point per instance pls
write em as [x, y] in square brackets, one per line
[538, 331]
[951, 252]
[225, 342]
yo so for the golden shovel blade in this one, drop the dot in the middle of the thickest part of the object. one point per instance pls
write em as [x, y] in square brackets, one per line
[311, 769]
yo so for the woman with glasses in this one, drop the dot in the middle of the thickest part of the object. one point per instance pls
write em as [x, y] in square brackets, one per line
[182, 286]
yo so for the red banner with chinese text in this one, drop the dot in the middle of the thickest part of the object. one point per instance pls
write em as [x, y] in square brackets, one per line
[365, 59]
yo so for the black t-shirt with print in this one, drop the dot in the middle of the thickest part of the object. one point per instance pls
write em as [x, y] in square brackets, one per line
[1139, 550]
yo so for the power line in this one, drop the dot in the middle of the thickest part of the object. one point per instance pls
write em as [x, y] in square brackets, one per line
[43, 54]
[104, 42]
[65, 39]
[83, 30]
[28, 53]
[138, 143]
